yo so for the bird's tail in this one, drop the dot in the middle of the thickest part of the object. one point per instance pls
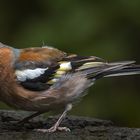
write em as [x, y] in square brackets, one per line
[96, 68]
[115, 69]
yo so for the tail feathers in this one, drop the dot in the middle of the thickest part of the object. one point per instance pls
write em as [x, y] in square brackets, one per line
[132, 70]
[96, 68]
[116, 69]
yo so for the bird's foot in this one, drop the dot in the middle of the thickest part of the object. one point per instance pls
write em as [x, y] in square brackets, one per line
[53, 129]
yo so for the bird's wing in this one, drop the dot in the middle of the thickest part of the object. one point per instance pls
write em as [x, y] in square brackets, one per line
[39, 68]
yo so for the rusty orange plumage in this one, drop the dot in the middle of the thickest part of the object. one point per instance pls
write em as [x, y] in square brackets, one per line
[47, 79]
[41, 54]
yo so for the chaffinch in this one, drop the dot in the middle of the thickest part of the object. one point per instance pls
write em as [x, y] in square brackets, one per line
[47, 79]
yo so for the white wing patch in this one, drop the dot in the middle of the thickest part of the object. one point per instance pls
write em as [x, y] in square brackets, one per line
[23, 75]
[65, 66]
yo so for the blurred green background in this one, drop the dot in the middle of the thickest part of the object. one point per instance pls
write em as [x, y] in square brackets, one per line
[108, 29]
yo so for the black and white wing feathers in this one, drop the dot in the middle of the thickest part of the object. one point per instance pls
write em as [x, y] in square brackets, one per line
[40, 75]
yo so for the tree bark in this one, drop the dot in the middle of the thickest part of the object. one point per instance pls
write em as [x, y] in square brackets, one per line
[81, 128]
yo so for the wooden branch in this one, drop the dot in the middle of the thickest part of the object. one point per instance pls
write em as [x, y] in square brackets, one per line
[81, 128]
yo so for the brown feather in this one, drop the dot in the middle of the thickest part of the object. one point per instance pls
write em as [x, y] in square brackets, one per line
[41, 54]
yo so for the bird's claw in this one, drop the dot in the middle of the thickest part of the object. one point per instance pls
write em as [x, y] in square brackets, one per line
[53, 129]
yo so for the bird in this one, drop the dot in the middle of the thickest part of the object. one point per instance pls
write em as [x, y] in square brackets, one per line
[43, 79]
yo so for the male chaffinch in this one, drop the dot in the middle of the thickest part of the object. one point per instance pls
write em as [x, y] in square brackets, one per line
[47, 79]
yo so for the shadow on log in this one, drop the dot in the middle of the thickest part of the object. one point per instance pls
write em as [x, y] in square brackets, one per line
[81, 128]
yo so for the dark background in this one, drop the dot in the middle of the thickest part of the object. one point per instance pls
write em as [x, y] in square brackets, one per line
[108, 29]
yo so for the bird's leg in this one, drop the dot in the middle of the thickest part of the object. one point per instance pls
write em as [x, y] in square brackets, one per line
[29, 117]
[56, 127]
